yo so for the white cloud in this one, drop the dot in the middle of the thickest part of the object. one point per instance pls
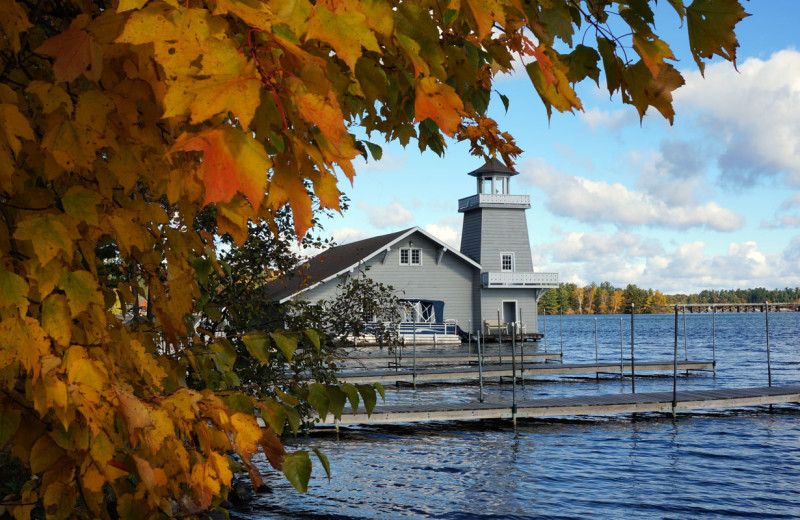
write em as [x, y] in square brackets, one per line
[675, 174]
[388, 163]
[346, 235]
[613, 120]
[752, 115]
[390, 215]
[447, 232]
[579, 246]
[690, 268]
[783, 221]
[600, 202]
[791, 202]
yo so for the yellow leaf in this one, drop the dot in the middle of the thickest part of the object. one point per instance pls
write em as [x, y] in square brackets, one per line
[246, 433]
[23, 340]
[14, 22]
[48, 236]
[13, 291]
[50, 96]
[44, 453]
[237, 93]
[93, 480]
[81, 290]
[81, 204]
[56, 318]
[439, 102]
[344, 29]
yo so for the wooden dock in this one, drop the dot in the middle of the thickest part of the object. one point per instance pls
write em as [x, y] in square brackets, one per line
[506, 370]
[492, 357]
[581, 405]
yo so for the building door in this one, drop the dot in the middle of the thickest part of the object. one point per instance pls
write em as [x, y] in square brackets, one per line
[509, 313]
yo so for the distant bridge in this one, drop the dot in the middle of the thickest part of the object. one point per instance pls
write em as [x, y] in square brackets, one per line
[737, 307]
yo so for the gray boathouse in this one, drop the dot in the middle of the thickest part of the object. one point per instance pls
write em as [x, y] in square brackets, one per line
[492, 273]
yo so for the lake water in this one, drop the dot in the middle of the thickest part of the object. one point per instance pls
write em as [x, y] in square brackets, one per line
[717, 464]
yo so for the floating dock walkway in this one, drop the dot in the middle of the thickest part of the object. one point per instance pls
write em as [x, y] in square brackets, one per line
[579, 405]
[506, 370]
[493, 357]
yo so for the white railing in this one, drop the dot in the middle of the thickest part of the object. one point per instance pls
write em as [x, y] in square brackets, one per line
[483, 199]
[534, 280]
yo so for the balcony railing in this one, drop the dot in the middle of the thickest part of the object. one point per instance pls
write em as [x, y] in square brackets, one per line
[494, 200]
[520, 280]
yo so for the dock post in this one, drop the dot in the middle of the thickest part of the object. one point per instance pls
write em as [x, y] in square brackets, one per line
[480, 366]
[514, 373]
[545, 329]
[469, 335]
[499, 338]
[521, 353]
[633, 362]
[621, 355]
[714, 340]
[675, 367]
[596, 359]
[415, 353]
[561, 332]
[769, 366]
[685, 339]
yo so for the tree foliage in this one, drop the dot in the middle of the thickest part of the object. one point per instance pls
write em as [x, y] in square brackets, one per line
[120, 120]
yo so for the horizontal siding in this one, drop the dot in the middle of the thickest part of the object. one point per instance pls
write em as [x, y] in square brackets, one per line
[505, 230]
[451, 281]
[492, 299]
[471, 235]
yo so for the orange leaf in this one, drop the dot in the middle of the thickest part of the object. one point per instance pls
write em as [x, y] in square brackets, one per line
[75, 53]
[439, 102]
[246, 433]
[232, 161]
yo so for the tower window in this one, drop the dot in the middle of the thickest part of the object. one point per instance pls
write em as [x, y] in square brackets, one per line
[410, 256]
[507, 262]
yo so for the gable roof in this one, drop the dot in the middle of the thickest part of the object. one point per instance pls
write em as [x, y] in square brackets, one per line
[341, 259]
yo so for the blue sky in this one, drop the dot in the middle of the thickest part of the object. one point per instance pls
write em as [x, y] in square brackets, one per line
[710, 202]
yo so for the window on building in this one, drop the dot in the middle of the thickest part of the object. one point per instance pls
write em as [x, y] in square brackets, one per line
[410, 256]
[507, 262]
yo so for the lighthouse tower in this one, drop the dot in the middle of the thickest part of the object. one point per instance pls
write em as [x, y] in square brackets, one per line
[495, 235]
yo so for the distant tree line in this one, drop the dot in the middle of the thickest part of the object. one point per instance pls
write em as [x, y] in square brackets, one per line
[604, 298]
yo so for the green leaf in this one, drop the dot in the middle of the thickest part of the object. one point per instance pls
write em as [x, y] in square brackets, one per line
[582, 63]
[318, 399]
[352, 395]
[293, 416]
[325, 462]
[286, 343]
[257, 345]
[611, 63]
[368, 396]
[711, 24]
[379, 388]
[313, 336]
[274, 414]
[239, 402]
[202, 267]
[374, 150]
[9, 422]
[337, 400]
[224, 354]
[297, 468]
[504, 99]
[286, 398]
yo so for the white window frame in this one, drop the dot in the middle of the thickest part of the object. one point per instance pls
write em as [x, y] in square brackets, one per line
[409, 251]
[502, 258]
